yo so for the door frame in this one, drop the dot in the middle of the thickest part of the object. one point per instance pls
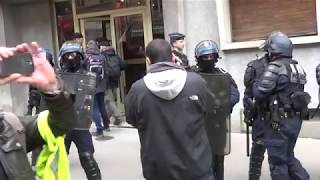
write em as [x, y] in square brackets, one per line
[145, 11]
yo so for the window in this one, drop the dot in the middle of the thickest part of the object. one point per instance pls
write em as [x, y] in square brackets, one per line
[64, 21]
[254, 19]
[245, 23]
[157, 19]
[86, 6]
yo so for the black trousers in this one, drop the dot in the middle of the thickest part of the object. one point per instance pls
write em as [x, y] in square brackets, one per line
[218, 167]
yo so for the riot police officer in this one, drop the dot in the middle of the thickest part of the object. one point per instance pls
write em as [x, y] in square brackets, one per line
[281, 88]
[34, 93]
[253, 118]
[71, 61]
[177, 43]
[207, 55]
[34, 100]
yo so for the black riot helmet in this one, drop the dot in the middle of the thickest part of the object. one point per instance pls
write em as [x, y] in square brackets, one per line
[206, 47]
[207, 54]
[70, 56]
[278, 44]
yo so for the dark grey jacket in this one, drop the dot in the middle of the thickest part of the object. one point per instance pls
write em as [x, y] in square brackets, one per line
[168, 107]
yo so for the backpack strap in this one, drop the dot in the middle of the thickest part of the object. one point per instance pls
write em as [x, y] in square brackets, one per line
[17, 125]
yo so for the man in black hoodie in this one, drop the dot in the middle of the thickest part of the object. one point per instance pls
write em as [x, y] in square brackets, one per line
[169, 107]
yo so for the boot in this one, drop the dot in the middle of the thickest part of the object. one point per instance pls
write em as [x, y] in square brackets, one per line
[117, 121]
[90, 166]
[256, 159]
[254, 177]
[218, 167]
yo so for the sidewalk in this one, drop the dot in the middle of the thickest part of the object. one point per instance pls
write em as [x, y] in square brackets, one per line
[119, 157]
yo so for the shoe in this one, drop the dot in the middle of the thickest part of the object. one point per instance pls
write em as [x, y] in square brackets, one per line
[106, 131]
[97, 133]
[117, 122]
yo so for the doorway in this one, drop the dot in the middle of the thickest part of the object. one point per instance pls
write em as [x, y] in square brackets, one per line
[128, 32]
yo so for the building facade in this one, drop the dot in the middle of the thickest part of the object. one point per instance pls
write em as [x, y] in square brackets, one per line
[238, 26]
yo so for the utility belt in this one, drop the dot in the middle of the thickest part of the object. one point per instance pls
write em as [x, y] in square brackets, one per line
[286, 107]
[274, 117]
[281, 114]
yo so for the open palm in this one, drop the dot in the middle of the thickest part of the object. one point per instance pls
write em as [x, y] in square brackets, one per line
[43, 76]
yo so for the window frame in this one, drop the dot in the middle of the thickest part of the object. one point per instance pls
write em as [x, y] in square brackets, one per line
[224, 26]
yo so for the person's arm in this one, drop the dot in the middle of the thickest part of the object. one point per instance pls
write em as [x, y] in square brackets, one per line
[234, 92]
[121, 62]
[268, 81]
[58, 101]
[130, 107]
[61, 118]
[248, 104]
[248, 80]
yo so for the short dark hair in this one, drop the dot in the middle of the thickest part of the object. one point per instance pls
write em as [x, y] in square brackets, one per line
[101, 41]
[159, 50]
[77, 35]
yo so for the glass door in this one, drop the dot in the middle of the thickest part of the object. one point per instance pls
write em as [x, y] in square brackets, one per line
[95, 28]
[130, 34]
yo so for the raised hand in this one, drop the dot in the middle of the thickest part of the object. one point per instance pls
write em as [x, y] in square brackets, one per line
[43, 77]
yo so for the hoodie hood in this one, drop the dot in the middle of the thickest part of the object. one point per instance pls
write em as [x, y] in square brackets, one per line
[168, 83]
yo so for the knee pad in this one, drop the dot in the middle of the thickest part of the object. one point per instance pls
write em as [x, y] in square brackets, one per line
[258, 148]
[256, 159]
[90, 166]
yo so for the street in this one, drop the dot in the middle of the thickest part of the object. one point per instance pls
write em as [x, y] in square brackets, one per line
[119, 157]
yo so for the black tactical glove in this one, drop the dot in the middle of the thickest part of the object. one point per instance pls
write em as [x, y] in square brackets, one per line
[248, 121]
[248, 111]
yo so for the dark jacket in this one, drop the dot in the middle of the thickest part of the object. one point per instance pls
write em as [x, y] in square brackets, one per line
[102, 84]
[234, 92]
[253, 73]
[181, 59]
[111, 55]
[14, 162]
[168, 107]
[281, 78]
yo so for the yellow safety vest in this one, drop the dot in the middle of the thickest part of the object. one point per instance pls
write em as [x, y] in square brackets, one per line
[53, 162]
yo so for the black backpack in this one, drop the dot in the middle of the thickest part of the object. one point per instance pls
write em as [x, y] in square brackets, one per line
[113, 66]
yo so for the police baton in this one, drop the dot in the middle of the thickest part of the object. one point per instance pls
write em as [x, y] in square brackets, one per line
[248, 140]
